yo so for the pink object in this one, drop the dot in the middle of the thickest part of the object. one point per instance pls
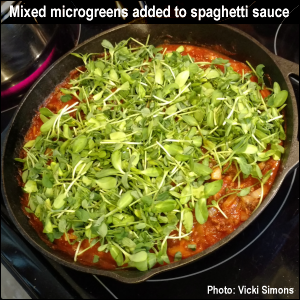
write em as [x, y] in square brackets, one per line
[30, 79]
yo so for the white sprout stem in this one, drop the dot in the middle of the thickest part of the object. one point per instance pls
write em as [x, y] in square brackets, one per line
[177, 237]
[77, 250]
[213, 130]
[60, 214]
[95, 128]
[258, 141]
[138, 42]
[165, 101]
[58, 119]
[181, 92]
[176, 96]
[222, 212]
[174, 171]
[261, 197]
[65, 110]
[68, 112]
[160, 145]
[163, 180]
[178, 141]
[169, 69]
[176, 113]
[157, 111]
[125, 119]
[180, 225]
[86, 249]
[87, 100]
[232, 111]
[190, 59]
[71, 106]
[77, 165]
[164, 241]
[203, 63]
[29, 157]
[79, 174]
[279, 117]
[79, 70]
[179, 184]
[116, 91]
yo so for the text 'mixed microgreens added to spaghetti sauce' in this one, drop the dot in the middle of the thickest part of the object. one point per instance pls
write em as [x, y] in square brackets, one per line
[145, 156]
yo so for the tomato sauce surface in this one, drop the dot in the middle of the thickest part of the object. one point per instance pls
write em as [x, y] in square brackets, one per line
[237, 209]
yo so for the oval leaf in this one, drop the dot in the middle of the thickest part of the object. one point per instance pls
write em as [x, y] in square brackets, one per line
[185, 194]
[244, 192]
[59, 201]
[190, 120]
[107, 183]
[139, 257]
[152, 172]
[159, 76]
[128, 243]
[119, 136]
[212, 188]
[30, 187]
[116, 255]
[106, 173]
[49, 124]
[201, 211]
[125, 200]
[79, 144]
[116, 161]
[102, 230]
[182, 78]
[188, 220]
[165, 206]
[279, 99]
[202, 170]
[173, 149]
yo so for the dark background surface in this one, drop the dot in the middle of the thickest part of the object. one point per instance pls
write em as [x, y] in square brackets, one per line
[265, 254]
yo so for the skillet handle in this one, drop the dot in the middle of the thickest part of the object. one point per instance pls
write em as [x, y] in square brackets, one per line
[288, 68]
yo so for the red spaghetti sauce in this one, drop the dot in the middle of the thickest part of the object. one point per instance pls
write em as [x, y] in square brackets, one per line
[237, 209]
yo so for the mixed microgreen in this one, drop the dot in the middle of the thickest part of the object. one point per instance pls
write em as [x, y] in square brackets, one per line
[128, 164]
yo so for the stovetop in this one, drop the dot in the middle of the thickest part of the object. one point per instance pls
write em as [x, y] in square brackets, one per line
[264, 255]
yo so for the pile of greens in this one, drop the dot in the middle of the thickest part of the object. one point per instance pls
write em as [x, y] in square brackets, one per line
[130, 168]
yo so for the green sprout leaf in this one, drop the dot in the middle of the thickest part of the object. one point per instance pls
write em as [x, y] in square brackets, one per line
[66, 98]
[30, 187]
[165, 206]
[96, 259]
[201, 211]
[107, 183]
[182, 78]
[244, 192]
[116, 255]
[178, 256]
[212, 188]
[188, 220]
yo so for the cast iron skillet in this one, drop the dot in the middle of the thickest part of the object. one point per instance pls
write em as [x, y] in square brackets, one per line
[245, 47]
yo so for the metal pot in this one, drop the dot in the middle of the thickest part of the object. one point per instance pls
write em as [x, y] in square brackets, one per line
[24, 48]
[245, 47]
[27, 50]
